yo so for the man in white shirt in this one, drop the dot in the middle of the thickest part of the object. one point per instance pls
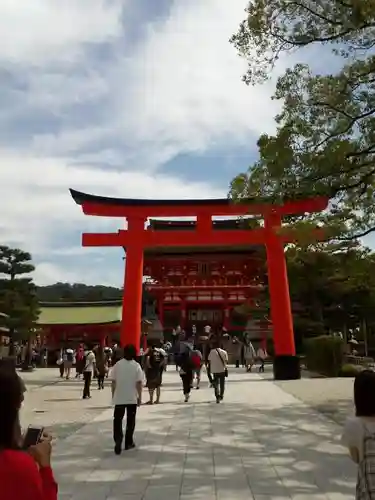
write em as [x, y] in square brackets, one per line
[88, 372]
[127, 382]
[218, 361]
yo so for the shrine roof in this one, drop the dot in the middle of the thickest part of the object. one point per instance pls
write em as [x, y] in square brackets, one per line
[195, 252]
[79, 313]
[81, 198]
[190, 225]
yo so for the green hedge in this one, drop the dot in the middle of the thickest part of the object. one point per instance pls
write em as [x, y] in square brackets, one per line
[349, 370]
[325, 355]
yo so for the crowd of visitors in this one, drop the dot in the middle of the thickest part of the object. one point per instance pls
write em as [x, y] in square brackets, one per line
[187, 351]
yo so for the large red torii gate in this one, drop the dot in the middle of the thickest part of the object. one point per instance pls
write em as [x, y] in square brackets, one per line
[136, 238]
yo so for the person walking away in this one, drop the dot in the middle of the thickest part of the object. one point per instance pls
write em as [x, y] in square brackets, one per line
[176, 352]
[249, 354]
[261, 356]
[64, 358]
[108, 355]
[68, 363]
[88, 371]
[60, 362]
[154, 365]
[218, 360]
[80, 362]
[44, 357]
[207, 350]
[359, 434]
[186, 368]
[23, 476]
[101, 366]
[127, 381]
[237, 347]
[164, 362]
[197, 361]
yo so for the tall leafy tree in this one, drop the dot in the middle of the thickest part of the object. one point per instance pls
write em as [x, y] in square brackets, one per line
[325, 138]
[17, 291]
[332, 289]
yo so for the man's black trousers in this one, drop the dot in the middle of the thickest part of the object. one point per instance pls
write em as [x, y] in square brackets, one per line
[118, 417]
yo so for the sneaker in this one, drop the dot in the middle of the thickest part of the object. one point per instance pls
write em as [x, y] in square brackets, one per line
[186, 398]
[118, 448]
[129, 446]
[217, 400]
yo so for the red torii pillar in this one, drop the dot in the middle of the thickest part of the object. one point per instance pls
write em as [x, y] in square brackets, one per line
[131, 327]
[281, 310]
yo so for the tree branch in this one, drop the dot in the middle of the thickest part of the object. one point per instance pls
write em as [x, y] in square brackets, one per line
[316, 14]
[356, 236]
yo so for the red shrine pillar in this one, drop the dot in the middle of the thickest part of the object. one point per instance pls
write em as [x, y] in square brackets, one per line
[131, 327]
[161, 309]
[183, 311]
[286, 363]
[226, 312]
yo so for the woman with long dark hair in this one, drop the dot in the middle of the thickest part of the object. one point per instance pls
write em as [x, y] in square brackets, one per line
[24, 474]
[101, 366]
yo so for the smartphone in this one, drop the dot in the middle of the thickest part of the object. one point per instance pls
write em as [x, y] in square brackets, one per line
[32, 437]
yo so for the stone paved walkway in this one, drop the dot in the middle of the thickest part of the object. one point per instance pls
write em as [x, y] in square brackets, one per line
[260, 443]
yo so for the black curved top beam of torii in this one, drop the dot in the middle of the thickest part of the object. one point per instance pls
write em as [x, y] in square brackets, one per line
[81, 198]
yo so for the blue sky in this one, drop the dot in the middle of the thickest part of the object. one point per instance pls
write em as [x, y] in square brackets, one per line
[119, 98]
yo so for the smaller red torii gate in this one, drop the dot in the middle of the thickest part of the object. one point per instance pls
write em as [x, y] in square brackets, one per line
[136, 239]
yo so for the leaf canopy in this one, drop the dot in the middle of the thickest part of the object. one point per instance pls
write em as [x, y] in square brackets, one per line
[325, 138]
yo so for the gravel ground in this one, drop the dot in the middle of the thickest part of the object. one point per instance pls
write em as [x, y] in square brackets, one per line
[331, 396]
[58, 405]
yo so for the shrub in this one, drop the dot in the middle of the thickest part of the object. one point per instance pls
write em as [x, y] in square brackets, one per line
[324, 354]
[348, 370]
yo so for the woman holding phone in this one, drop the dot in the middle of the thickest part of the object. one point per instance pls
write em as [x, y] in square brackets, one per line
[24, 474]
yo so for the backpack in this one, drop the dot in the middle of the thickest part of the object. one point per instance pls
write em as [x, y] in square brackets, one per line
[156, 359]
[365, 488]
[84, 360]
[196, 360]
[187, 360]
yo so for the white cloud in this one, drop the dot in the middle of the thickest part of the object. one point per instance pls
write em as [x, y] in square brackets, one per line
[183, 84]
[38, 213]
[179, 90]
[37, 31]
[96, 271]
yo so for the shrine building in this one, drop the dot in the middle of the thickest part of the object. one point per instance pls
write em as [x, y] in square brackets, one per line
[62, 324]
[195, 287]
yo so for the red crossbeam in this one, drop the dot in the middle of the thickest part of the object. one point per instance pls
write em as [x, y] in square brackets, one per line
[152, 239]
[194, 288]
[231, 209]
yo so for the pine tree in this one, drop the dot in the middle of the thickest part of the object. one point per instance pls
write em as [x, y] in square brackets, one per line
[17, 292]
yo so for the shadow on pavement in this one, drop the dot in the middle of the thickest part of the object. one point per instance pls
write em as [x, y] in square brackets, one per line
[194, 449]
